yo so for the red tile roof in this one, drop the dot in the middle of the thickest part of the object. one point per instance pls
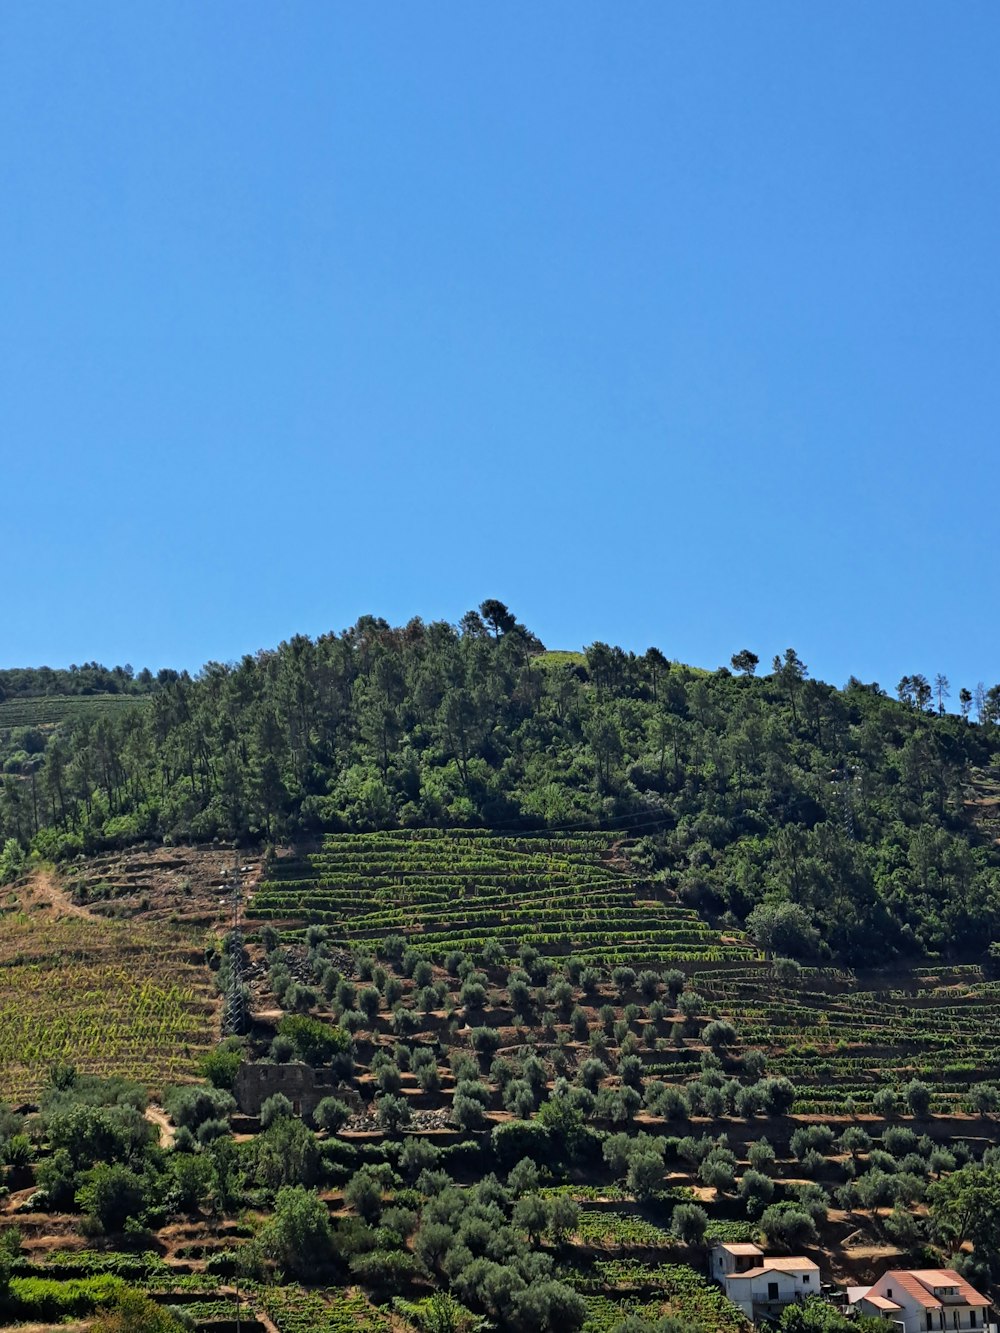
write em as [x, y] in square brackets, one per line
[920, 1283]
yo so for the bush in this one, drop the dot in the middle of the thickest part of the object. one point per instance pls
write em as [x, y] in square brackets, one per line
[384, 1270]
[331, 1114]
[315, 1042]
[273, 1108]
[191, 1105]
[221, 1065]
[393, 1112]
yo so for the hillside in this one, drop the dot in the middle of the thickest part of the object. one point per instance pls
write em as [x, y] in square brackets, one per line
[521, 1037]
[873, 819]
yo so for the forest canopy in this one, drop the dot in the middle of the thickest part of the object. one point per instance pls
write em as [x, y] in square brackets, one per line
[740, 790]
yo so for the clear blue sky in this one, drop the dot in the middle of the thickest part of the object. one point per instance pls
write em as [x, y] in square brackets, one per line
[666, 323]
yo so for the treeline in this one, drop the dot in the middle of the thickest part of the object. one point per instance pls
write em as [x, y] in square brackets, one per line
[743, 789]
[90, 678]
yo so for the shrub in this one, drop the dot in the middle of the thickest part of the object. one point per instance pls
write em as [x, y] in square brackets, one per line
[393, 1112]
[331, 1114]
[221, 1065]
[193, 1104]
[761, 1155]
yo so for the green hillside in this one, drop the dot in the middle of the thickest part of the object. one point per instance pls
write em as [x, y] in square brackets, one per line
[837, 825]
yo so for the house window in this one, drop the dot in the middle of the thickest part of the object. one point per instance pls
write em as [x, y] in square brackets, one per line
[805, 1279]
[772, 1291]
[888, 1292]
[972, 1319]
[928, 1317]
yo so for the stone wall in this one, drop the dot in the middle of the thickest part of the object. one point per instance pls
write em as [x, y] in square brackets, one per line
[304, 1087]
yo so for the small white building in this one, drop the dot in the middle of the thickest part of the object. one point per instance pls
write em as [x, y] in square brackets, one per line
[771, 1284]
[924, 1300]
[732, 1257]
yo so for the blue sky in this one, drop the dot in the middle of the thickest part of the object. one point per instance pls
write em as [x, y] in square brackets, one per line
[665, 323]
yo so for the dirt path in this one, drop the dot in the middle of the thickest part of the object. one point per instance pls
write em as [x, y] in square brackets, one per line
[43, 894]
[158, 1117]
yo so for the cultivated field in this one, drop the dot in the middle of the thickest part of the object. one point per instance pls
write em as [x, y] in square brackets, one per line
[453, 890]
[109, 999]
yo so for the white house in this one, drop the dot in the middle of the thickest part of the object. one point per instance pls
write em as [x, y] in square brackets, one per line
[725, 1258]
[924, 1300]
[771, 1284]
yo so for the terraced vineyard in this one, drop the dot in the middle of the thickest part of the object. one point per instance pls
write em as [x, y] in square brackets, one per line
[653, 1290]
[109, 999]
[296, 1311]
[448, 890]
[50, 710]
[838, 1036]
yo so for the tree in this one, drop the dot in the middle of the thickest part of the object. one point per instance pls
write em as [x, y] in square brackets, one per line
[274, 1108]
[331, 1114]
[918, 1097]
[777, 1095]
[855, 1140]
[788, 1227]
[761, 1155]
[965, 702]
[112, 1194]
[942, 691]
[298, 1233]
[874, 1190]
[885, 1102]
[317, 1042]
[531, 1214]
[497, 616]
[432, 1242]
[548, 1306]
[645, 1174]
[783, 928]
[286, 1153]
[689, 1223]
[965, 1207]
[745, 661]
[564, 1217]
[393, 1112]
[815, 1315]
[756, 1191]
[363, 1193]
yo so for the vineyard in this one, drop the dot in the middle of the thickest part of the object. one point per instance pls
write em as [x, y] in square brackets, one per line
[108, 999]
[453, 890]
[51, 710]
[840, 1038]
[538, 1079]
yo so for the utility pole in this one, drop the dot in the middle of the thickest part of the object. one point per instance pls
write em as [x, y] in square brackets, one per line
[849, 783]
[234, 1016]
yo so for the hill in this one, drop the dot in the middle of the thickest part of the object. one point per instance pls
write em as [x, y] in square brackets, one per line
[870, 821]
